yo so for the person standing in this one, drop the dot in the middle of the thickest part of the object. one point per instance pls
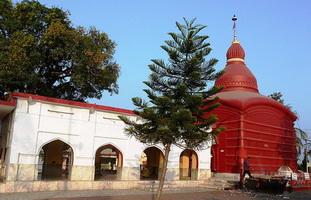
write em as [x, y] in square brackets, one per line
[246, 168]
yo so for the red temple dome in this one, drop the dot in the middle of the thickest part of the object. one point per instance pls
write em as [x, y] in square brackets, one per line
[236, 74]
[235, 51]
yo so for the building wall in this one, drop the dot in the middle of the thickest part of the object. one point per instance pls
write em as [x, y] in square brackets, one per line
[270, 139]
[266, 133]
[226, 150]
[38, 123]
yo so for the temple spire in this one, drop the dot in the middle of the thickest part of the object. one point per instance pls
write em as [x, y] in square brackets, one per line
[234, 18]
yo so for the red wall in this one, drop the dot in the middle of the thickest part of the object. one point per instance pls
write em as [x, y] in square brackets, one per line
[270, 139]
[263, 133]
[225, 151]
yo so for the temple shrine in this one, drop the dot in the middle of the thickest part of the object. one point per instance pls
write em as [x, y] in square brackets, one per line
[256, 126]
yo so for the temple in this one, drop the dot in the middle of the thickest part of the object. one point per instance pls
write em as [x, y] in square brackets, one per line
[55, 144]
[256, 126]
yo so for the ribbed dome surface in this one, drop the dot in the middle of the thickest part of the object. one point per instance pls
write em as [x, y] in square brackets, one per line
[235, 51]
[237, 77]
[236, 74]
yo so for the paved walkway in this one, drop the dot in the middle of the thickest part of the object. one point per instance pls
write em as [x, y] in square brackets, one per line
[207, 195]
[189, 194]
[181, 194]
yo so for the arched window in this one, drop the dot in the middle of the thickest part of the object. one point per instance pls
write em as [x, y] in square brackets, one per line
[188, 165]
[151, 162]
[55, 161]
[108, 163]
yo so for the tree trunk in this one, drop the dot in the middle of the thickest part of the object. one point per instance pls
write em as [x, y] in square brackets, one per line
[167, 150]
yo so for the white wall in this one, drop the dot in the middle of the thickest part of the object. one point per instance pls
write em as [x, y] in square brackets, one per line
[38, 123]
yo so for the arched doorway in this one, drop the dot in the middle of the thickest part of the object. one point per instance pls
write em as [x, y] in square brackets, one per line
[188, 165]
[108, 163]
[151, 162]
[55, 161]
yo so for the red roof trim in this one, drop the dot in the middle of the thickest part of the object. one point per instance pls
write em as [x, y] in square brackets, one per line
[72, 103]
[251, 101]
[8, 103]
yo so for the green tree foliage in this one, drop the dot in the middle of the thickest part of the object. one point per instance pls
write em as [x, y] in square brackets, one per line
[301, 136]
[277, 96]
[42, 53]
[178, 98]
[306, 158]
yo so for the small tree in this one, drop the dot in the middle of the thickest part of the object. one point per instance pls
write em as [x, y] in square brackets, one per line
[42, 53]
[178, 98]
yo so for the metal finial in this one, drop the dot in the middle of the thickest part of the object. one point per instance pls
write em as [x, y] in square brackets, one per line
[234, 18]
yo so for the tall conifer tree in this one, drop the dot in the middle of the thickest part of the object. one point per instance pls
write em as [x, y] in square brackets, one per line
[178, 96]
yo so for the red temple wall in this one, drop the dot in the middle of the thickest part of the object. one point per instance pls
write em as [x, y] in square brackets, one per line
[268, 138]
[225, 151]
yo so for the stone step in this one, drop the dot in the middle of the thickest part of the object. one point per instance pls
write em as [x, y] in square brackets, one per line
[212, 184]
[226, 176]
[220, 184]
[171, 185]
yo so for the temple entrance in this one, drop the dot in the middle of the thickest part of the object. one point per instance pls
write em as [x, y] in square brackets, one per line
[188, 165]
[108, 163]
[151, 162]
[55, 161]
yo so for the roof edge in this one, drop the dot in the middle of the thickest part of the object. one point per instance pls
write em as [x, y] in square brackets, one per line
[11, 103]
[240, 105]
[20, 95]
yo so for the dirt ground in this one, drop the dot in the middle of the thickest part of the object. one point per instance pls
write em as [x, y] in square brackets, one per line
[207, 195]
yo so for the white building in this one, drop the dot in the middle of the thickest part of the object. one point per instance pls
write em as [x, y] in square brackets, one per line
[45, 138]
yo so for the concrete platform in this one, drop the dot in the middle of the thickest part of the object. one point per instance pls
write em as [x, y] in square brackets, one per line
[39, 186]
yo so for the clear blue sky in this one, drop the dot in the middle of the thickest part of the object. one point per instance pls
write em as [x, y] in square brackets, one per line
[276, 36]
